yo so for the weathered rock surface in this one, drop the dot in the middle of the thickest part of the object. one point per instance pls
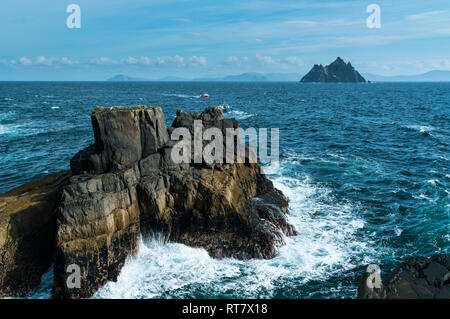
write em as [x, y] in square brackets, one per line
[123, 136]
[416, 278]
[126, 184]
[27, 232]
[336, 72]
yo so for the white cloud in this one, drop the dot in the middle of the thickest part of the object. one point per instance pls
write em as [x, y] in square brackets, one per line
[66, 60]
[292, 60]
[25, 61]
[233, 61]
[102, 61]
[177, 61]
[145, 60]
[131, 60]
[197, 61]
[42, 60]
[264, 60]
[424, 15]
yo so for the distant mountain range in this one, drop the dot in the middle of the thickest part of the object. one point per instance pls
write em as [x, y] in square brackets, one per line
[432, 76]
[244, 77]
[255, 77]
[125, 78]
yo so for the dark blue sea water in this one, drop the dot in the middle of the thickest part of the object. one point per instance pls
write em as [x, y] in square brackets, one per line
[366, 168]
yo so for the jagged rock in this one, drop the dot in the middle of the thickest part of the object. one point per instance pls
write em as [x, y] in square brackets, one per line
[415, 278]
[123, 135]
[337, 72]
[27, 231]
[126, 184]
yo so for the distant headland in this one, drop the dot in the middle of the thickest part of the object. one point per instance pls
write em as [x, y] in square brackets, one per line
[336, 72]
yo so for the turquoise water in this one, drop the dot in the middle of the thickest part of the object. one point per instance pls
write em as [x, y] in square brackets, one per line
[366, 169]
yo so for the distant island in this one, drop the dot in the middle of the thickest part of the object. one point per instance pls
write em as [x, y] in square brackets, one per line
[125, 78]
[431, 76]
[243, 77]
[336, 72]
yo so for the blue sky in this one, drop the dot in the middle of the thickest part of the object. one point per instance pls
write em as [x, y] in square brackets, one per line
[188, 38]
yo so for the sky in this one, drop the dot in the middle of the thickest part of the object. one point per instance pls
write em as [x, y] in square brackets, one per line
[209, 38]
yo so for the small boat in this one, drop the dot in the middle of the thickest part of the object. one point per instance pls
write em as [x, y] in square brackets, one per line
[204, 95]
[226, 108]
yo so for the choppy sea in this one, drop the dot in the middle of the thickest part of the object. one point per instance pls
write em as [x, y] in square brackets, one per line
[366, 169]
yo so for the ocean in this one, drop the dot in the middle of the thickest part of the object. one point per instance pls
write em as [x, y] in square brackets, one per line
[366, 168]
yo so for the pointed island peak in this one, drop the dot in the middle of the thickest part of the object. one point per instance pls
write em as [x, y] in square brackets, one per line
[336, 72]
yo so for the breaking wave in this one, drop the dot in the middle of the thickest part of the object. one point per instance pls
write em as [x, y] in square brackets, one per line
[326, 246]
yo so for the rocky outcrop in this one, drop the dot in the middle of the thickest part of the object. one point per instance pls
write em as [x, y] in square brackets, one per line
[125, 185]
[416, 278]
[27, 232]
[336, 72]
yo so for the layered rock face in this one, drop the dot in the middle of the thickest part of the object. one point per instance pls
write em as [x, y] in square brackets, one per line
[27, 232]
[127, 184]
[336, 72]
[416, 278]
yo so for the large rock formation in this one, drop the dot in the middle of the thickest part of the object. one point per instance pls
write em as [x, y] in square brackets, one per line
[336, 72]
[27, 232]
[415, 278]
[127, 184]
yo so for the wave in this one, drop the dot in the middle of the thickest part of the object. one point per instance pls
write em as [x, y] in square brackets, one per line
[181, 95]
[44, 290]
[8, 130]
[326, 246]
[421, 128]
[240, 115]
[6, 115]
[13, 130]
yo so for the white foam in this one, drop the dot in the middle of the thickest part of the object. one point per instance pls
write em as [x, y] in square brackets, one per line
[324, 247]
[421, 128]
[182, 95]
[6, 115]
[240, 115]
[6, 130]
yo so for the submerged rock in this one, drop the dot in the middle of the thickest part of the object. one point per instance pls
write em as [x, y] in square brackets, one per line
[126, 184]
[416, 278]
[336, 72]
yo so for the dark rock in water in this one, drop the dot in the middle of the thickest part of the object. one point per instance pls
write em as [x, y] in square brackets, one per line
[336, 72]
[125, 185]
[416, 278]
[27, 233]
